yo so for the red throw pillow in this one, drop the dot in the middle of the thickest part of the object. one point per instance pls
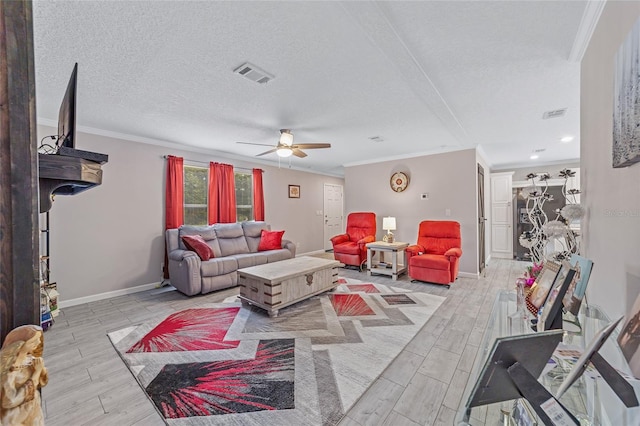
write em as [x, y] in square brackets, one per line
[199, 245]
[270, 240]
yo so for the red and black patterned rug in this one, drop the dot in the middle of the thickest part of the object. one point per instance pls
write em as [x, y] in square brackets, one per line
[225, 363]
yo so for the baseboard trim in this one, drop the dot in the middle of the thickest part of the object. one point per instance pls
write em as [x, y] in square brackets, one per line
[107, 295]
[468, 275]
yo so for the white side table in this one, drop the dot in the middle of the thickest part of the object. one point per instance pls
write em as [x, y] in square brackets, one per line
[395, 248]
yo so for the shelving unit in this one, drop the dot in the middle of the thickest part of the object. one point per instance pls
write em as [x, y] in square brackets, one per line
[48, 290]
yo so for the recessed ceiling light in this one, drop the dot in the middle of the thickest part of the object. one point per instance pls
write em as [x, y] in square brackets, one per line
[566, 139]
[534, 157]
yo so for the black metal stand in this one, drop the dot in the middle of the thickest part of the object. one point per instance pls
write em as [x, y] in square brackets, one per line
[536, 394]
[618, 384]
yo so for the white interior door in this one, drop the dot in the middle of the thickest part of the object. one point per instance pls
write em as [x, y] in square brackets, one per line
[501, 215]
[333, 214]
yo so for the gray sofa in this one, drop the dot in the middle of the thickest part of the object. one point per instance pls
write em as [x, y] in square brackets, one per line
[234, 245]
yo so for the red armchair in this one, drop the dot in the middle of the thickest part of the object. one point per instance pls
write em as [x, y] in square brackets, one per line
[436, 256]
[350, 248]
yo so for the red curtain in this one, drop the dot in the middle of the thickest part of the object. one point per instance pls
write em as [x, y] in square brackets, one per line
[258, 195]
[222, 193]
[174, 200]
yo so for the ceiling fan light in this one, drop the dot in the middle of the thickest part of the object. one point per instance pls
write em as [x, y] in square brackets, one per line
[286, 138]
[284, 152]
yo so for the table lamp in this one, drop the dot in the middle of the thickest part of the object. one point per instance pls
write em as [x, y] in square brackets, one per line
[388, 224]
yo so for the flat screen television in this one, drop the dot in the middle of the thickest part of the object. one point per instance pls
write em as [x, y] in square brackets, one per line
[67, 114]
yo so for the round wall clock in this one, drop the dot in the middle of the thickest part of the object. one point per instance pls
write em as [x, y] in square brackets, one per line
[399, 181]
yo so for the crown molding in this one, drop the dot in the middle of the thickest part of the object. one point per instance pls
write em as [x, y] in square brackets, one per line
[174, 145]
[404, 156]
[588, 23]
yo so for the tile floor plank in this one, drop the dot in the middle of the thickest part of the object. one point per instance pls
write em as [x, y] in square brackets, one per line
[421, 399]
[373, 407]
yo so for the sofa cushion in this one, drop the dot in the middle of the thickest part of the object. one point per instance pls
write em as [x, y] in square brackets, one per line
[208, 233]
[350, 247]
[218, 266]
[198, 244]
[270, 240]
[252, 232]
[231, 239]
[277, 255]
[431, 261]
[250, 259]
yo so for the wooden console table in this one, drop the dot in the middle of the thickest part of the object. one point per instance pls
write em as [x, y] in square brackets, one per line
[393, 248]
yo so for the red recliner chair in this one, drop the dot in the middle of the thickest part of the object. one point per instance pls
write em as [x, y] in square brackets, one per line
[435, 257]
[350, 248]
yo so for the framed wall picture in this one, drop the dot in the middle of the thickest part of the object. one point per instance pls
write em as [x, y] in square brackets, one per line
[626, 103]
[294, 191]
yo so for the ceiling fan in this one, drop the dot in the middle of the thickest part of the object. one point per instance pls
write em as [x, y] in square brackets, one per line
[286, 147]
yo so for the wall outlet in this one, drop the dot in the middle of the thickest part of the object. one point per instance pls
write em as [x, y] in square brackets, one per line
[424, 196]
[447, 212]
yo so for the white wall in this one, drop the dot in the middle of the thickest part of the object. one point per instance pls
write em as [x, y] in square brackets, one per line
[110, 238]
[612, 196]
[450, 181]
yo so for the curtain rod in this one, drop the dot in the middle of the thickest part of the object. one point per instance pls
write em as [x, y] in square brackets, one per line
[207, 162]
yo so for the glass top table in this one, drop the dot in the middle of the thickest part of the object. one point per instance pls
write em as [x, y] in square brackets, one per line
[590, 399]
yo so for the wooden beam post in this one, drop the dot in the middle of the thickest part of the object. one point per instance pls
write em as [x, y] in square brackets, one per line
[19, 230]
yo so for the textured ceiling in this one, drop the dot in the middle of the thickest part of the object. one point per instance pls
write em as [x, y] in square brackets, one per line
[426, 77]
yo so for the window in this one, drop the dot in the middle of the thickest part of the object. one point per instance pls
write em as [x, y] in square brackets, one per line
[244, 196]
[195, 195]
[196, 180]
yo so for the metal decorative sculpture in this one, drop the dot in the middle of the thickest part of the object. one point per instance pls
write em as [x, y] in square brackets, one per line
[544, 231]
[22, 375]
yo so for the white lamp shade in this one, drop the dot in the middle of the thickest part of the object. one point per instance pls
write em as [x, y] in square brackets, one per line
[286, 138]
[389, 223]
[284, 152]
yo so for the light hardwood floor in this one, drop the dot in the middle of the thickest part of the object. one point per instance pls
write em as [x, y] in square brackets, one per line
[89, 384]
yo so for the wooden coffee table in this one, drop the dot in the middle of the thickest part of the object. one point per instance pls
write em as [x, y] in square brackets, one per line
[273, 286]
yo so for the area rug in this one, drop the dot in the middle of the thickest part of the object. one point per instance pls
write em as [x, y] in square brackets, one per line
[228, 363]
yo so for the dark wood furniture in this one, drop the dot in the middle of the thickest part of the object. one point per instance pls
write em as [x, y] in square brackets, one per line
[65, 175]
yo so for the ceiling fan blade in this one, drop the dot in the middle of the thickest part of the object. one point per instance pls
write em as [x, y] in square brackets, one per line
[298, 153]
[311, 145]
[267, 152]
[251, 143]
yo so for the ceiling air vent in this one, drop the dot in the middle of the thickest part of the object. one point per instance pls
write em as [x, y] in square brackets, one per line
[253, 73]
[554, 114]
[376, 139]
